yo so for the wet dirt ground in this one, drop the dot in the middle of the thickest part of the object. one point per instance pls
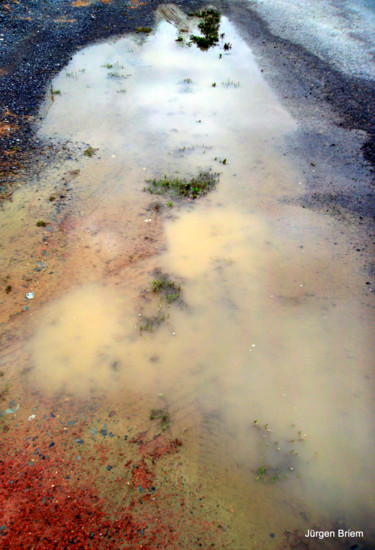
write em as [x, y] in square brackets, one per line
[231, 416]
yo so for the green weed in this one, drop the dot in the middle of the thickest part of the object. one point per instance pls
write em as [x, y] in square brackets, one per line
[145, 30]
[262, 470]
[209, 27]
[192, 189]
[168, 289]
[115, 75]
[89, 152]
[148, 324]
[230, 84]
[162, 415]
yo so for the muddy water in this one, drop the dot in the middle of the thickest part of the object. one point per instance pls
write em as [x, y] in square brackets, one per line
[265, 359]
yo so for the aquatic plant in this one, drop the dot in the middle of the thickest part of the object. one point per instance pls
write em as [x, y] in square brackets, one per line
[89, 152]
[149, 323]
[192, 189]
[170, 290]
[161, 414]
[53, 93]
[115, 75]
[230, 84]
[262, 470]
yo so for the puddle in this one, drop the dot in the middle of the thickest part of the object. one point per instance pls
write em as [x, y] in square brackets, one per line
[265, 361]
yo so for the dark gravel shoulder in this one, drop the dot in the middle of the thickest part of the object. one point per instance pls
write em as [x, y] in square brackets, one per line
[38, 39]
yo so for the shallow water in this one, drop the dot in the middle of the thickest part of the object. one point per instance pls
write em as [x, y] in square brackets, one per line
[265, 362]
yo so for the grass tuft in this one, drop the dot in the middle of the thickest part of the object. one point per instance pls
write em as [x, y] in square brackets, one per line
[145, 30]
[192, 189]
[167, 288]
[209, 27]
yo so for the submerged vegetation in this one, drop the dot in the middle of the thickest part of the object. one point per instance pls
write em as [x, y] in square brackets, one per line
[278, 457]
[162, 415]
[164, 293]
[148, 324]
[192, 189]
[231, 84]
[89, 152]
[54, 92]
[209, 27]
[168, 289]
